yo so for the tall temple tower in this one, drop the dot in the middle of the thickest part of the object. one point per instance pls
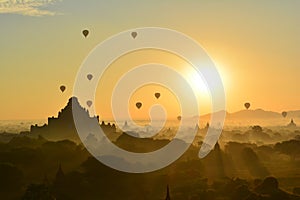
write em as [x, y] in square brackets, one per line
[59, 174]
[168, 193]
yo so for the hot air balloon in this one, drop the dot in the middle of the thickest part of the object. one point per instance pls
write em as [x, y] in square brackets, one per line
[284, 114]
[157, 95]
[85, 33]
[138, 105]
[89, 76]
[179, 118]
[62, 88]
[89, 103]
[247, 105]
[134, 34]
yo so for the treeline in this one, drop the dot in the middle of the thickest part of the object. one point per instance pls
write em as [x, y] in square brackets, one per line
[41, 169]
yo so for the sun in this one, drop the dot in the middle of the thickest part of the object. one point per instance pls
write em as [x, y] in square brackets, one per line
[199, 87]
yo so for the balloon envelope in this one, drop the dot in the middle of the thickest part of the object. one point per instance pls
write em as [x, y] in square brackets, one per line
[284, 114]
[134, 34]
[138, 105]
[89, 103]
[89, 76]
[157, 95]
[62, 88]
[247, 105]
[85, 33]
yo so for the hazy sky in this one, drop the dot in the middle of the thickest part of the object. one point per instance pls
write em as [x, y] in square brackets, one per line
[255, 45]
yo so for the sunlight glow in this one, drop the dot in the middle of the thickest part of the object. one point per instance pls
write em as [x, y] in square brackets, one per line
[197, 83]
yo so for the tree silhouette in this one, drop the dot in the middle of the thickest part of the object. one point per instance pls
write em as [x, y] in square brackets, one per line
[291, 148]
[11, 179]
[253, 163]
[38, 192]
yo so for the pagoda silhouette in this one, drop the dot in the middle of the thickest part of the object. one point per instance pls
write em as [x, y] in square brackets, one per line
[168, 193]
[63, 127]
[292, 124]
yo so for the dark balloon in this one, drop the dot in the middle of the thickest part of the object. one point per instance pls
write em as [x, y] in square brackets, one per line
[134, 34]
[85, 33]
[89, 76]
[157, 95]
[179, 118]
[284, 114]
[247, 105]
[138, 105]
[89, 103]
[62, 88]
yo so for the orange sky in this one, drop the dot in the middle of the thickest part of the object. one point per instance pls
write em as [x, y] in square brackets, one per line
[255, 45]
[146, 94]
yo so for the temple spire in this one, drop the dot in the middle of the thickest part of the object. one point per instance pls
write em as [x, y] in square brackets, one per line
[60, 174]
[168, 193]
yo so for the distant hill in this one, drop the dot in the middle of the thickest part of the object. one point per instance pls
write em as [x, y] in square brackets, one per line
[294, 114]
[248, 114]
[258, 113]
[257, 116]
